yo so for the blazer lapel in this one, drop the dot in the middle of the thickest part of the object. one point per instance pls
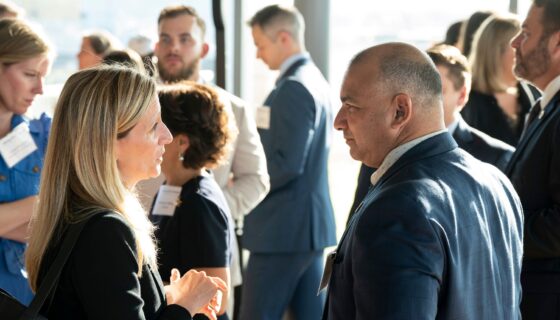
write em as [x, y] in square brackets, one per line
[435, 145]
[292, 69]
[526, 138]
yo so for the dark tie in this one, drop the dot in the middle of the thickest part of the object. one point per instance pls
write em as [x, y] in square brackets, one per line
[533, 114]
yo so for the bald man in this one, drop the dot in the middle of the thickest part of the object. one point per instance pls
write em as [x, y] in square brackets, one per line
[439, 236]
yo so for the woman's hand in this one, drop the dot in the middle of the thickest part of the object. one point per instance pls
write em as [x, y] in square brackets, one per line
[195, 292]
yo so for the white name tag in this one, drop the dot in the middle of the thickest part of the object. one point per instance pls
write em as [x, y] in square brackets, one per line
[167, 200]
[17, 145]
[263, 117]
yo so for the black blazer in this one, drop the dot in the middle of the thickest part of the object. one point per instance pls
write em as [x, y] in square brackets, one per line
[438, 237]
[482, 146]
[483, 113]
[477, 143]
[534, 171]
[100, 278]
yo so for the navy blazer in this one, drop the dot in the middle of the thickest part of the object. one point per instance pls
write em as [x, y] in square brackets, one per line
[534, 171]
[477, 143]
[438, 237]
[297, 214]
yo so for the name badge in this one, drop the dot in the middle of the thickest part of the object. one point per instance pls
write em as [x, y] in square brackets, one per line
[327, 271]
[167, 200]
[263, 117]
[17, 145]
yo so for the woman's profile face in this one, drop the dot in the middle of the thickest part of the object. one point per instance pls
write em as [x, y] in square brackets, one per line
[21, 82]
[139, 153]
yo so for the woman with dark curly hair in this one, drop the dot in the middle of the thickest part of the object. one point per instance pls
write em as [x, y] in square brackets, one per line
[190, 210]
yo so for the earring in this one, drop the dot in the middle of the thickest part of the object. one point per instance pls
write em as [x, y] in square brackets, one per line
[182, 157]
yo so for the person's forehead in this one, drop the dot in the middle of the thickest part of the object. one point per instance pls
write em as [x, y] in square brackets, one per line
[534, 18]
[180, 24]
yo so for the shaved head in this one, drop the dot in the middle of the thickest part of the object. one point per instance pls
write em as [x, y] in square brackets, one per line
[391, 94]
[402, 68]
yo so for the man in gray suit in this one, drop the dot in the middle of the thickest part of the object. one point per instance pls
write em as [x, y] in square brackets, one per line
[439, 235]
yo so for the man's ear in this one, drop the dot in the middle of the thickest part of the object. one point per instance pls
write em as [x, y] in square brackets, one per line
[554, 44]
[284, 37]
[205, 49]
[401, 110]
[463, 97]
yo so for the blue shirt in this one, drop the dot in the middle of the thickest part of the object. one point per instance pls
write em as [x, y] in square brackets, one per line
[18, 182]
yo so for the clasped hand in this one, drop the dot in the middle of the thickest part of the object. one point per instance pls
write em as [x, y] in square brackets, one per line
[196, 292]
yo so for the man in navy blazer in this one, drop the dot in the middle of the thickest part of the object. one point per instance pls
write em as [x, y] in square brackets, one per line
[287, 232]
[534, 169]
[439, 235]
[455, 75]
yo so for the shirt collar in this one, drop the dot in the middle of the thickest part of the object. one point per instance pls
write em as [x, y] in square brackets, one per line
[551, 89]
[396, 154]
[291, 60]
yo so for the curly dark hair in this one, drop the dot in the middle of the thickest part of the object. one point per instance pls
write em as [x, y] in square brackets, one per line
[195, 110]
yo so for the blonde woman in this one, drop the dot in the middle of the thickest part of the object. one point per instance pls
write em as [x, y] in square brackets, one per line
[498, 100]
[24, 62]
[107, 135]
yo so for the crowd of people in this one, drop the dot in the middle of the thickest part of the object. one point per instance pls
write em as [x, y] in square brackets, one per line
[455, 213]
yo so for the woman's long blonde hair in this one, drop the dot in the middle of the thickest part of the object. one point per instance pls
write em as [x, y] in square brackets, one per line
[489, 45]
[80, 176]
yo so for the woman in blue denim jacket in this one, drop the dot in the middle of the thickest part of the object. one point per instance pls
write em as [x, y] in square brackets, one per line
[24, 62]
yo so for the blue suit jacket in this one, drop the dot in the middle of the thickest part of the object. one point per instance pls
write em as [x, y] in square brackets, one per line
[438, 237]
[296, 215]
[475, 142]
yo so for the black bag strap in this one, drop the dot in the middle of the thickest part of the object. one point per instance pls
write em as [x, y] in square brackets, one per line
[55, 270]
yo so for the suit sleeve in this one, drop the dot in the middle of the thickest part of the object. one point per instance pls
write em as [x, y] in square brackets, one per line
[397, 262]
[250, 177]
[293, 118]
[105, 273]
[542, 238]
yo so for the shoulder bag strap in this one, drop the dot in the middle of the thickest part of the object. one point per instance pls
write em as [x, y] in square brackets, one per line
[55, 269]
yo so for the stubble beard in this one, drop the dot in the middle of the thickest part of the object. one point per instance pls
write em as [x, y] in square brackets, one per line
[184, 73]
[533, 64]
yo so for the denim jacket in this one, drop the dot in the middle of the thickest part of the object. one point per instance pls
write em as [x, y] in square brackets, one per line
[18, 182]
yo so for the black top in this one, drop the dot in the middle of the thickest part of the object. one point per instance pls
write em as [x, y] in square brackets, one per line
[198, 234]
[100, 278]
[483, 113]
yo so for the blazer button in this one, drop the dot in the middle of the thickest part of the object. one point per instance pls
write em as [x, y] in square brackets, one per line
[2, 177]
[35, 169]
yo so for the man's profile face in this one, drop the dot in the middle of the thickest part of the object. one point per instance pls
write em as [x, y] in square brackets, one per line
[532, 58]
[268, 50]
[364, 117]
[180, 48]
